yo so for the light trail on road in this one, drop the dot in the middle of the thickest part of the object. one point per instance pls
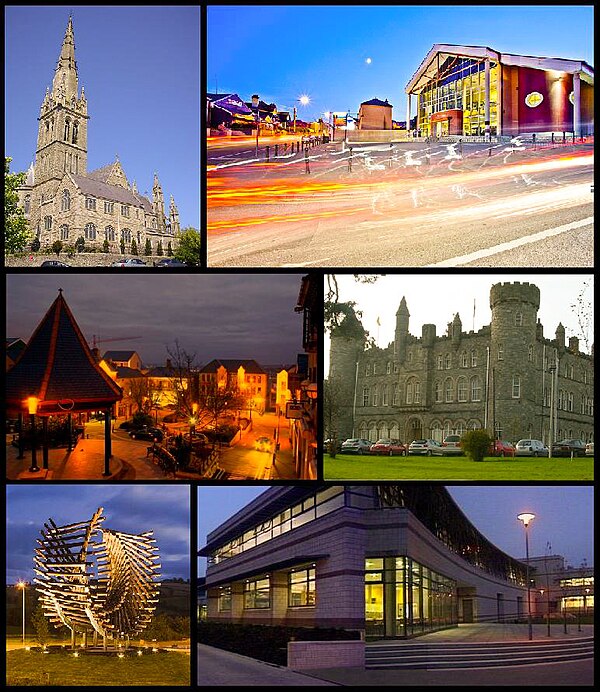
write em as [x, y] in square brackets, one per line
[387, 196]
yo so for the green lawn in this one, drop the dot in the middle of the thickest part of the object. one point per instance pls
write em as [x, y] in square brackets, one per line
[28, 668]
[422, 468]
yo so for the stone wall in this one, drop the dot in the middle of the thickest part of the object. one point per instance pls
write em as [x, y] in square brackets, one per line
[311, 655]
[81, 259]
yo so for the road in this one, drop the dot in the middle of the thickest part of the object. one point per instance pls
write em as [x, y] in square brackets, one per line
[412, 204]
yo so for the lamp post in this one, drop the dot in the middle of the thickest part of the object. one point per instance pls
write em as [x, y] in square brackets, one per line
[526, 518]
[587, 593]
[32, 406]
[21, 585]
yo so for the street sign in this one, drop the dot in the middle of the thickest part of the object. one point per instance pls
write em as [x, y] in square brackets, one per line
[294, 409]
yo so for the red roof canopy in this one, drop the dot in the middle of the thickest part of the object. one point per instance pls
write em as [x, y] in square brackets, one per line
[59, 369]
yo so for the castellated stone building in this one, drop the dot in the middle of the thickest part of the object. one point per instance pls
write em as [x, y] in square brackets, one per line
[63, 201]
[505, 377]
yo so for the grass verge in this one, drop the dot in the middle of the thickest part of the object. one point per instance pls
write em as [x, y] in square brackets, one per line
[421, 468]
[29, 668]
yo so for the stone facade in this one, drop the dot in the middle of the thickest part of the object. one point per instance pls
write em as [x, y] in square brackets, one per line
[498, 378]
[63, 201]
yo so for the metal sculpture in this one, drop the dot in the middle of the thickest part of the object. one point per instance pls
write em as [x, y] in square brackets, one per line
[95, 580]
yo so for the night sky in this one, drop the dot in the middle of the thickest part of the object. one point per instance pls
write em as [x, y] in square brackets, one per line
[215, 316]
[164, 509]
[564, 516]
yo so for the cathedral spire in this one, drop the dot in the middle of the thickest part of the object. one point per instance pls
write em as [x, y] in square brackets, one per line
[64, 84]
[174, 217]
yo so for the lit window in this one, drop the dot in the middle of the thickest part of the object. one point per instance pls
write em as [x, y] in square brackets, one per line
[225, 599]
[257, 594]
[301, 587]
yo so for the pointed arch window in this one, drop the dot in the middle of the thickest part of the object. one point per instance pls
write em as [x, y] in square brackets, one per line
[47, 223]
[516, 387]
[67, 127]
[27, 204]
[64, 232]
[65, 204]
[109, 233]
[90, 203]
[462, 389]
[90, 231]
[126, 235]
[75, 133]
[438, 392]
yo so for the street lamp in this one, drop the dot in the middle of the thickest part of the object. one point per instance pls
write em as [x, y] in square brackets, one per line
[21, 585]
[526, 518]
[32, 406]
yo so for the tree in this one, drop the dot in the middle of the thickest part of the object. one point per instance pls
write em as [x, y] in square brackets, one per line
[215, 401]
[35, 245]
[122, 246]
[134, 248]
[584, 311]
[105, 245]
[182, 368]
[80, 244]
[334, 310]
[188, 249]
[16, 230]
[159, 249]
[169, 249]
[40, 625]
[57, 247]
[331, 411]
[148, 248]
[476, 444]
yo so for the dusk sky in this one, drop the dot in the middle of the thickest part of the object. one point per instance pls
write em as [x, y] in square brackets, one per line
[164, 509]
[564, 516]
[322, 51]
[215, 316]
[140, 67]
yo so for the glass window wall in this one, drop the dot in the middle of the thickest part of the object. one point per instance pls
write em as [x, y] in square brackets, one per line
[404, 598]
[257, 594]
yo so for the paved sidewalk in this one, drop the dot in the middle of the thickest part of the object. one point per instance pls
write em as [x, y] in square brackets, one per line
[223, 668]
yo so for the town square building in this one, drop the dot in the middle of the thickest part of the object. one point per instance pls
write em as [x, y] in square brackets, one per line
[390, 560]
[64, 201]
[507, 377]
[475, 90]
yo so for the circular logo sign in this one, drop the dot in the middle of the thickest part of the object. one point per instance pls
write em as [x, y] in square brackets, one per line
[533, 99]
[572, 97]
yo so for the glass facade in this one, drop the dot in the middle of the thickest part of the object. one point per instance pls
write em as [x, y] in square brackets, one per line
[459, 86]
[309, 509]
[403, 598]
[257, 594]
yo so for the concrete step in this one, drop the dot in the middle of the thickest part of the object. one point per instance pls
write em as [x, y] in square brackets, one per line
[446, 655]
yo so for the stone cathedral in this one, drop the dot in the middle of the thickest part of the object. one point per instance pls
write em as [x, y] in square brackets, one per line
[63, 201]
[507, 377]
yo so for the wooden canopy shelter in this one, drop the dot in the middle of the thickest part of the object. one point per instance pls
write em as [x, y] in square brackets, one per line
[57, 374]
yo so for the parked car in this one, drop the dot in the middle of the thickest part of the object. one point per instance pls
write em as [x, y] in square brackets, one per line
[389, 448]
[502, 448]
[263, 444]
[427, 447]
[146, 433]
[531, 448]
[451, 444]
[131, 262]
[356, 445]
[564, 448]
[589, 449]
[169, 262]
[54, 263]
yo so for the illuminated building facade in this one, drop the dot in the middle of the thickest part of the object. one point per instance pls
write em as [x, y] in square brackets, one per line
[559, 587]
[392, 560]
[475, 90]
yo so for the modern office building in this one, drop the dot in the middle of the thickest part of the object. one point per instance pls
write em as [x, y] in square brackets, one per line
[507, 378]
[391, 560]
[475, 90]
[559, 587]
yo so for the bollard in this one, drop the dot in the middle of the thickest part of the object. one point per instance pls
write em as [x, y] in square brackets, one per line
[573, 136]
[276, 150]
[552, 138]
[460, 151]
[391, 152]
[350, 160]
[267, 152]
[307, 160]
[533, 137]
[564, 137]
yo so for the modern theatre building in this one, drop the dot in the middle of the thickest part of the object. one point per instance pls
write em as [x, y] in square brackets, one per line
[475, 90]
[392, 560]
